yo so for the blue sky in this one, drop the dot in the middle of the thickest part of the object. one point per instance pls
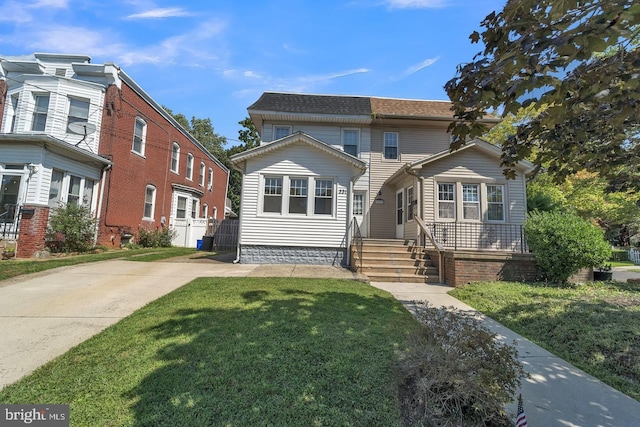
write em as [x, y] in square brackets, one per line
[214, 58]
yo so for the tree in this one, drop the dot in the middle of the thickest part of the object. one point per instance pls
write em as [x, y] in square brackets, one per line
[202, 130]
[250, 138]
[581, 60]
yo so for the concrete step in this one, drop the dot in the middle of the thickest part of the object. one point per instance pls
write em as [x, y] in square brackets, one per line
[388, 242]
[399, 269]
[378, 260]
[401, 278]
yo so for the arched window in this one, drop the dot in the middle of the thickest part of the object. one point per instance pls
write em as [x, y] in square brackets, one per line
[175, 157]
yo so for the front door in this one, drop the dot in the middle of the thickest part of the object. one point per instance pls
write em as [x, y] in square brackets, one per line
[360, 211]
[400, 214]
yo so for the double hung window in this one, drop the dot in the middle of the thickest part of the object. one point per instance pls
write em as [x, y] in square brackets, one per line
[495, 203]
[298, 194]
[272, 195]
[471, 201]
[391, 145]
[78, 111]
[446, 201]
[175, 157]
[40, 111]
[350, 141]
[139, 136]
[324, 197]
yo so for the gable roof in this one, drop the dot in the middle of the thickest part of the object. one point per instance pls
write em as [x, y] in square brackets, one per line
[478, 143]
[236, 159]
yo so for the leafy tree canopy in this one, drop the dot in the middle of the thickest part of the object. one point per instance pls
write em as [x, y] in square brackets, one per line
[581, 60]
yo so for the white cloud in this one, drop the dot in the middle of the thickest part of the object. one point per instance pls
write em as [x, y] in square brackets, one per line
[14, 12]
[416, 4]
[159, 13]
[419, 66]
[305, 83]
[60, 4]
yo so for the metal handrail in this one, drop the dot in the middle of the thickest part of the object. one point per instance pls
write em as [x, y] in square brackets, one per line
[435, 243]
[356, 239]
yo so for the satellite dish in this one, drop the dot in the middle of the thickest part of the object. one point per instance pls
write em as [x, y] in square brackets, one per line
[81, 128]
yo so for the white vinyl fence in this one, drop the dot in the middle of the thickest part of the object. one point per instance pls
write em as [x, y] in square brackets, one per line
[634, 256]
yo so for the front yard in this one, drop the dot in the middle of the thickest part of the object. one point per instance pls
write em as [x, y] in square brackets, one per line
[236, 352]
[594, 326]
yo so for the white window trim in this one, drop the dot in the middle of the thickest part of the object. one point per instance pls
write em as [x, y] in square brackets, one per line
[311, 186]
[189, 172]
[69, 116]
[283, 192]
[288, 127]
[477, 203]
[384, 146]
[357, 142]
[177, 157]
[64, 188]
[143, 140]
[203, 168]
[487, 203]
[210, 180]
[454, 201]
[410, 204]
[153, 203]
[13, 118]
[35, 96]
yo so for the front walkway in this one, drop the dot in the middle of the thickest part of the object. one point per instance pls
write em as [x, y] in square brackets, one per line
[557, 393]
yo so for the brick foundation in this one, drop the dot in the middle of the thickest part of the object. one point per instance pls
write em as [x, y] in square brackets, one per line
[33, 228]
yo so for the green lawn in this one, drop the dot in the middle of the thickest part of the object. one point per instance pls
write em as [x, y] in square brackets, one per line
[13, 268]
[236, 352]
[594, 326]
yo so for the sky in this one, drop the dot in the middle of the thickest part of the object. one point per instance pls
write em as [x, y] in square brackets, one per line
[214, 58]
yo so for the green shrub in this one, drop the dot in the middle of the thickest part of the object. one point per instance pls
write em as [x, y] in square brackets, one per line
[619, 255]
[158, 238]
[564, 243]
[454, 372]
[72, 228]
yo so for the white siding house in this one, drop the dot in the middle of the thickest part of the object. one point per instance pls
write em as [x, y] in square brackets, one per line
[296, 206]
[408, 170]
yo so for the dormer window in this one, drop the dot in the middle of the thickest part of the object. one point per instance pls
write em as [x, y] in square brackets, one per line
[40, 110]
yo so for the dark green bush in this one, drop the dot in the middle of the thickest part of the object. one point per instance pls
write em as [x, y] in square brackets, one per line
[158, 238]
[564, 243]
[72, 228]
[619, 255]
[454, 372]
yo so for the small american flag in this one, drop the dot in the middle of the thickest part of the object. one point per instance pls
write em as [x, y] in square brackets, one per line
[521, 419]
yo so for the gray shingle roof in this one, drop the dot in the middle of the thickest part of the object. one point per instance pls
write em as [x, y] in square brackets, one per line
[318, 104]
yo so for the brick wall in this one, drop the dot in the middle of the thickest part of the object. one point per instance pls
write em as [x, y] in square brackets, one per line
[465, 267]
[33, 228]
[126, 181]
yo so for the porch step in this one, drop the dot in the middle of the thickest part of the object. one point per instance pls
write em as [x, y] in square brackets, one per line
[395, 260]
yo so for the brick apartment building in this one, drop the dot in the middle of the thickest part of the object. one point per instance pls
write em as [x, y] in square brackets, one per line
[76, 132]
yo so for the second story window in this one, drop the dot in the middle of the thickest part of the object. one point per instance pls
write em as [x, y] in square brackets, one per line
[210, 184]
[40, 110]
[390, 145]
[202, 169]
[139, 136]
[350, 141]
[189, 166]
[78, 110]
[175, 157]
[281, 131]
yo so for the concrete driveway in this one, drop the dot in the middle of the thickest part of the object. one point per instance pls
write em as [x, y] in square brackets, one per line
[45, 314]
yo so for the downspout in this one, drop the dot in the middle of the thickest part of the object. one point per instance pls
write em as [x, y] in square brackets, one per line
[100, 199]
[237, 260]
[349, 219]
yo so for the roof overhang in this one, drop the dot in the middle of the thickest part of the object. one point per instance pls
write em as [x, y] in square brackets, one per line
[57, 146]
[238, 159]
[188, 189]
[258, 117]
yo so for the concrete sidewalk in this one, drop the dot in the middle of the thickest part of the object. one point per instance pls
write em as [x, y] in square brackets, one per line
[557, 393]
